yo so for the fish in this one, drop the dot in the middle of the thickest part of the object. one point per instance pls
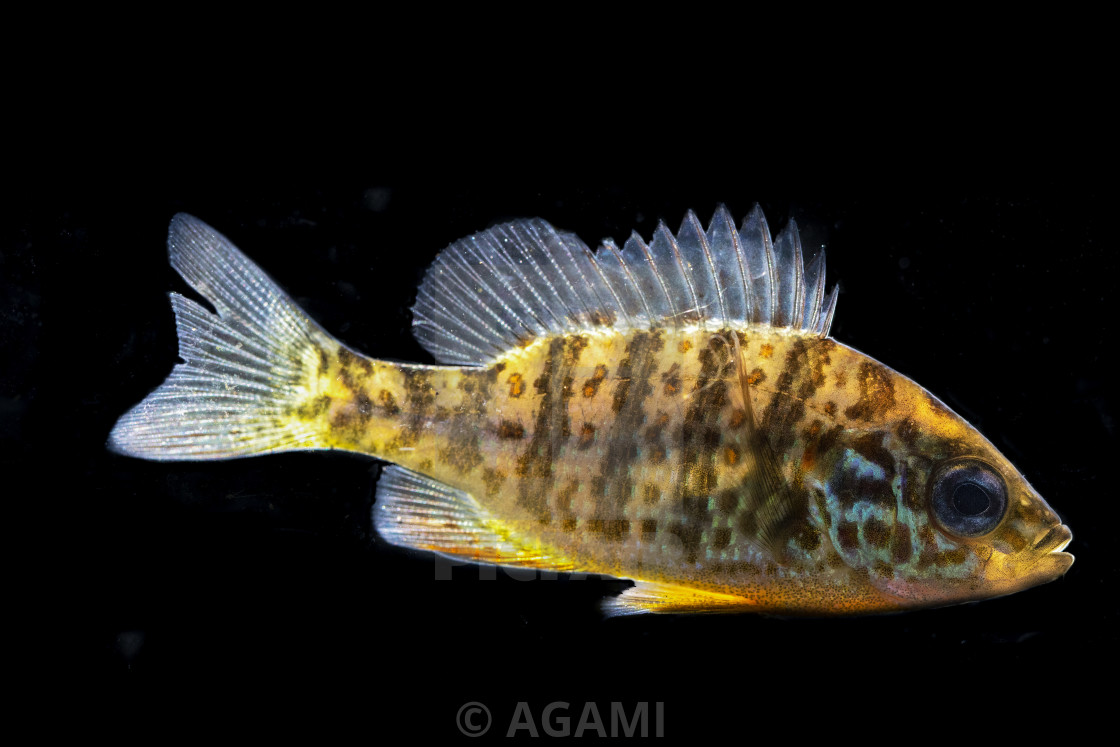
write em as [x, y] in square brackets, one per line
[671, 412]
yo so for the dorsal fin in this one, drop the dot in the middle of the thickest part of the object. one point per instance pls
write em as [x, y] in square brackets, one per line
[520, 280]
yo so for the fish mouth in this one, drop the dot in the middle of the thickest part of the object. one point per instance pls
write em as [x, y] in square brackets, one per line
[1054, 540]
[1050, 546]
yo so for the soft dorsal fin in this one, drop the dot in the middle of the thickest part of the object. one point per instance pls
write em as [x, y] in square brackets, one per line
[517, 281]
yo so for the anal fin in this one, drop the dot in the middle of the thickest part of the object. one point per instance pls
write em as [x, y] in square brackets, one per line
[651, 596]
[415, 511]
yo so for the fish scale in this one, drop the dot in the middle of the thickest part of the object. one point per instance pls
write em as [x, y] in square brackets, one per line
[672, 413]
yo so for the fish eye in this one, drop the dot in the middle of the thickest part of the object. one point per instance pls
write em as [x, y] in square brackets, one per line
[968, 497]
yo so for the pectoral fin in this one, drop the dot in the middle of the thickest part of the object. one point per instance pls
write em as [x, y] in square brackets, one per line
[769, 510]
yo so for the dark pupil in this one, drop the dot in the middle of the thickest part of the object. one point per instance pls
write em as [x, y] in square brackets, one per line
[970, 499]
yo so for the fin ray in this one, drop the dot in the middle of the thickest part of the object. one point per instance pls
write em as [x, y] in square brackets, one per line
[412, 510]
[522, 280]
[653, 597]
[244, 366]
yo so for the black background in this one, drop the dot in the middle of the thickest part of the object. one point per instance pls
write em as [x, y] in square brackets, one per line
[181, 580]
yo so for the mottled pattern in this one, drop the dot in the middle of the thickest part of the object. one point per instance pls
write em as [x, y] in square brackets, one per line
[631, 454]
[745, 463]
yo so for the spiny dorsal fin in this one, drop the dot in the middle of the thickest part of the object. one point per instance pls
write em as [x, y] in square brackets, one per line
[517, 281]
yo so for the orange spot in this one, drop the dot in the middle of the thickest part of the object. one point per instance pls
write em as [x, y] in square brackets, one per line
[738, 417]
[766, 350]
[755, 376]
[670, 388]
[684, 346]
[516, 385]
[730, 455]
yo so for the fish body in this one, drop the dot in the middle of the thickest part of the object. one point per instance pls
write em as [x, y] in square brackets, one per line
[672, 413]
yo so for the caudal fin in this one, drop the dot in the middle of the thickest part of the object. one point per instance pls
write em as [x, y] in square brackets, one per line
[246, 367]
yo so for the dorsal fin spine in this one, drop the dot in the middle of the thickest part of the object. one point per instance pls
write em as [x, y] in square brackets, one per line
[725, 222]
[625, 268]
[830, 306]
[524, 280]
[675, 249]
[706, 249]
[814, 286]
[761, 285]
[652, 265]
[798, 275]
[575, 278]
[621, 307]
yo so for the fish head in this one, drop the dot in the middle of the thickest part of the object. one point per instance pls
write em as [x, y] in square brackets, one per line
[926, 509]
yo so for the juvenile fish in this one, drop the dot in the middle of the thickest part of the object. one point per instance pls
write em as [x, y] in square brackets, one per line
[671, 412]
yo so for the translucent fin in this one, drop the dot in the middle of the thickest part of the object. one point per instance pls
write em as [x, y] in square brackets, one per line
[244, 366]
[649, 596]
[758, 258]
[788, 279]
[517, 281]
[415, 511]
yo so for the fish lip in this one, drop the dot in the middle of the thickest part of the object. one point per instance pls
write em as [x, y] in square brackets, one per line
[1054, 540]
[1052, 562]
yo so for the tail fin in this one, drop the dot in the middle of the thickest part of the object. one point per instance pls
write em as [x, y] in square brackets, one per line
[246, 367]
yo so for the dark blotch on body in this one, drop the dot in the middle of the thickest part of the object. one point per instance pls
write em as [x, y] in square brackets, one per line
[492, 479]
[387, 402]
[870, 447]
[809, 538]
[876, 393]
[314, 408]
[348, 360]
[509, 430]
[612, 530]
[907, 431]
[671, 380]
[900, 546]
[847, 533]
[586, 436]
[721, 538]
[876, 533]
